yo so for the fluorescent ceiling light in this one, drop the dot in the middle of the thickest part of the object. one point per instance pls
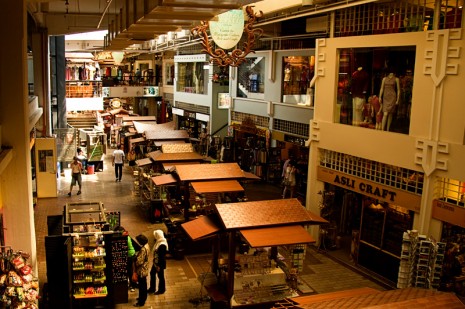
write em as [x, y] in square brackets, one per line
[90, 36]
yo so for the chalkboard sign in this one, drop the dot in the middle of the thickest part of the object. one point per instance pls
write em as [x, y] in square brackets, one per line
[119, 258]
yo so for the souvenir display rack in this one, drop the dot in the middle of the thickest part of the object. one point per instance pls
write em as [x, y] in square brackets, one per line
[421, 263]
[18, 287]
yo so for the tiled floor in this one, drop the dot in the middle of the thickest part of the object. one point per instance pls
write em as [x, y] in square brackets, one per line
[184, 290]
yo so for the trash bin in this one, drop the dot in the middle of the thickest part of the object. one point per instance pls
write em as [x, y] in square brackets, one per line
[90, 169]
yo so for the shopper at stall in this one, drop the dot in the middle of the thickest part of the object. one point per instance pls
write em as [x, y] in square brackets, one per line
[118, 161]
[131, 255]
[159, 263]
[76, 170]
[142, 269]
[289, 179]
[132, 157]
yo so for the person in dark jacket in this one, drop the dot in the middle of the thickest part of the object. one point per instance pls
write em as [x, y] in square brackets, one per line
[142, 269]
[159, 263]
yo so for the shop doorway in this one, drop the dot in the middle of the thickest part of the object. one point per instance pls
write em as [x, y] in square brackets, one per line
[363, 231]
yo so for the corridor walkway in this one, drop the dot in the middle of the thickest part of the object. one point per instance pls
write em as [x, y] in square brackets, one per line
[321, 274]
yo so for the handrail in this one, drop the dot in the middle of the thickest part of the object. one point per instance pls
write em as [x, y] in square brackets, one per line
[225, 125]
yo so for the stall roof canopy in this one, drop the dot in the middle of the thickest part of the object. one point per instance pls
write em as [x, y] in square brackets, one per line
[166, 134]
[201, 227]
[141, 127]
[263, 223]
[158, 156]
[251, 176]
[277, 236]
[119, 111]
[166, 179]
[142, 162]
[209, 172]
[266, 213]
[139, 118]
[171, 166]
[177, 148]
[219, 186]
[161, 143]
[136, 140]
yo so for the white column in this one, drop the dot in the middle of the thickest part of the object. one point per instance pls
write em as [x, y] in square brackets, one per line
[15, 181]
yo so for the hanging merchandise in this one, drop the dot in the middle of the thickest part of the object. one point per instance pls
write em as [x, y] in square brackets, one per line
[18, 287]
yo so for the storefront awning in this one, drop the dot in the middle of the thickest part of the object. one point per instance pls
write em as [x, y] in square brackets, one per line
[166, 134]
[277, 236]
[166, 179]
[201, 227]
[266, 213]
[209, 172]
[170, 167]
[176, 157]
[142, 162]
[251, 176]
[137, 140]
[219, 186]
[161, 143]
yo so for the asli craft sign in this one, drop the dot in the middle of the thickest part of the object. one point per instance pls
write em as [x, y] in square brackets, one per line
[226, 33]
[369, 188]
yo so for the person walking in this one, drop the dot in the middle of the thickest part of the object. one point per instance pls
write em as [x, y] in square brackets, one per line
[118, 161]
[289, 179]
[159, 263]
[83, 158]
[142, 269]
[76, 170]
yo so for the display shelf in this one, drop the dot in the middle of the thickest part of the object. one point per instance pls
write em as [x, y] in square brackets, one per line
[89, 267]
[421, 261]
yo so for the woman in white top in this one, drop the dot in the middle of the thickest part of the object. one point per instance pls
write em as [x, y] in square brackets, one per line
[118, 161]
[289, 179]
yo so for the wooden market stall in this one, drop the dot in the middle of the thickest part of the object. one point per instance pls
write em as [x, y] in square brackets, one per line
[254, 278]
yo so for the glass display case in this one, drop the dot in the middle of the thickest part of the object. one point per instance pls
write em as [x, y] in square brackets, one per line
[192, 77]
[297, 73]
[374, 87]
[85, 217]
[251, 75]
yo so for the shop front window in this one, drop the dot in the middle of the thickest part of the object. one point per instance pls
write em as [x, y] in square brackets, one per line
[297, 73]
[169, 73]
[451, 191]
[374, 87]
[251, 77]
[192, 77]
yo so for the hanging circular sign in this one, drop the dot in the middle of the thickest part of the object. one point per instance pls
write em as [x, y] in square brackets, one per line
[227, 31]
[115, 103]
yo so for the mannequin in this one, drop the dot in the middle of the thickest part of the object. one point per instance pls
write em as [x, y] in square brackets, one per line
[376, 111]
[287, 78]
[389, 95]
[359, 88]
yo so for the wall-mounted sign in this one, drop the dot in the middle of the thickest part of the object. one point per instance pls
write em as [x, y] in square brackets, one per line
[151, 92]
[106, 92]
[224, 100]
[177, 111]
[449, 213]
[227, 31]
[227, 36]
[369, 188]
